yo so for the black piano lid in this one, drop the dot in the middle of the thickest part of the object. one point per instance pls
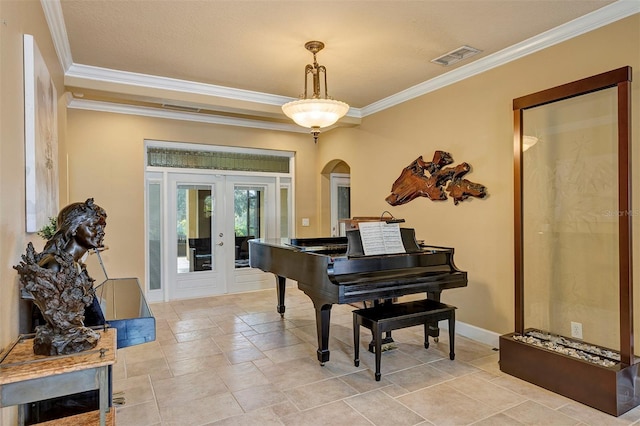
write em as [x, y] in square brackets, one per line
[321, 241]
[339, 246]
[320, 245]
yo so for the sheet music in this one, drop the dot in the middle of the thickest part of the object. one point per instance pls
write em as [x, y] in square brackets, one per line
[392, 238]
[381, 238]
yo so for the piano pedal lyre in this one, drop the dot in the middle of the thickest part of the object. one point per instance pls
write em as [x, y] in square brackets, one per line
[386, 345]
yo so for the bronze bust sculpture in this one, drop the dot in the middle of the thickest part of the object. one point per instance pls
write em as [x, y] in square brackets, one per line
[59, 283]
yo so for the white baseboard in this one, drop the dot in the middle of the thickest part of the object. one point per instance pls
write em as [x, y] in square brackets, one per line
[474, 333]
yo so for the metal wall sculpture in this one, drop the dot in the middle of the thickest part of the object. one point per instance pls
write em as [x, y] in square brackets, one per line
[415, 182]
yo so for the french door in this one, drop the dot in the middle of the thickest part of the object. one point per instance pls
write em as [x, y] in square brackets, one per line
[253, 211]
[208, 221]
[195, 251]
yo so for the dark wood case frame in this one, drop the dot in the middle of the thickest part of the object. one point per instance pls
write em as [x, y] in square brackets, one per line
[612, 390]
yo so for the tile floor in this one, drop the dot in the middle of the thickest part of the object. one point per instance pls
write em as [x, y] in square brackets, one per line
[232, 360]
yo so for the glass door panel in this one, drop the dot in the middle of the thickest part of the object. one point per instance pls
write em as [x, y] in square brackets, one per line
[248, 219]
[193, 228]
[344, 202]
[285, 217]
[154, 234]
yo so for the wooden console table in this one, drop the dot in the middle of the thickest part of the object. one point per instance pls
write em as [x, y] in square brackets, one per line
[26, 377]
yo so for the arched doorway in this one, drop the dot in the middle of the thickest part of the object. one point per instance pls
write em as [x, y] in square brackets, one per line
[336, 196]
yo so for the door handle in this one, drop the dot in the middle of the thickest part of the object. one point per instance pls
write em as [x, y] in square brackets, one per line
[221, 243]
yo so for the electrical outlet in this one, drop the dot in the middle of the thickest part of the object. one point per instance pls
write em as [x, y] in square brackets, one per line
[576, 330]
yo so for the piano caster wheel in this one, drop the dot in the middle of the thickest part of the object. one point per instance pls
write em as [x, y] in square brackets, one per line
[426, 345]
[436, 339]
[378, 375]
[452, 357]
[356, 363]
[322, 364]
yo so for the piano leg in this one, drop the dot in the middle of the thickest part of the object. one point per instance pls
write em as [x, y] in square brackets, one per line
[280, 288]
[432, 329]
[323, 319]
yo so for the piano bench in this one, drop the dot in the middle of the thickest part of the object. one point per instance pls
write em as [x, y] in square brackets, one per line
[387, 317]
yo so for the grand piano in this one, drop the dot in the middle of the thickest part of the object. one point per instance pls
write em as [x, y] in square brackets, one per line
[334, 270]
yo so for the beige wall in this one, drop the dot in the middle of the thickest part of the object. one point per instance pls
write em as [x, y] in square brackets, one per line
[106, 162]
[473, 121]
[17, 18]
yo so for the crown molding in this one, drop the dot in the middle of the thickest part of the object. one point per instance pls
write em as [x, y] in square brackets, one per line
[53, 12]
[55, 20]
[88, 72]
[596, 19]
[90, 105]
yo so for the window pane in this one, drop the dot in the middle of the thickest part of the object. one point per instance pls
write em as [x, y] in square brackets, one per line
[248, 206]
[154, 231]
[284, 212]
[344, 202]
[216, 160]
[194, 210]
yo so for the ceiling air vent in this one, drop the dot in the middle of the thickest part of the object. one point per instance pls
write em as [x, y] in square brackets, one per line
[456, 55]
[181, 108]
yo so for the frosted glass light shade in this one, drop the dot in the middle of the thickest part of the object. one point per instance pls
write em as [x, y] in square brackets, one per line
[315, 113]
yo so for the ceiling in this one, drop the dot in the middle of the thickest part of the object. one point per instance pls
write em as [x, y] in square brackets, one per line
[246, 58]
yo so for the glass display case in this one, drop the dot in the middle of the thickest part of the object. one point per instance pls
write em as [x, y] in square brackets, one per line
[125, 308]
[573, 261]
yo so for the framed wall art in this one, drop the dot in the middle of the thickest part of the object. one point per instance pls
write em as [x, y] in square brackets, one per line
[41, 138]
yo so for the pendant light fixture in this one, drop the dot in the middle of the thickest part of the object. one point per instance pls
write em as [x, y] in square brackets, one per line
[316, 112]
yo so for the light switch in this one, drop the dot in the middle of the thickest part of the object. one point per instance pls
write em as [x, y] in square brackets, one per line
[305, 221]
